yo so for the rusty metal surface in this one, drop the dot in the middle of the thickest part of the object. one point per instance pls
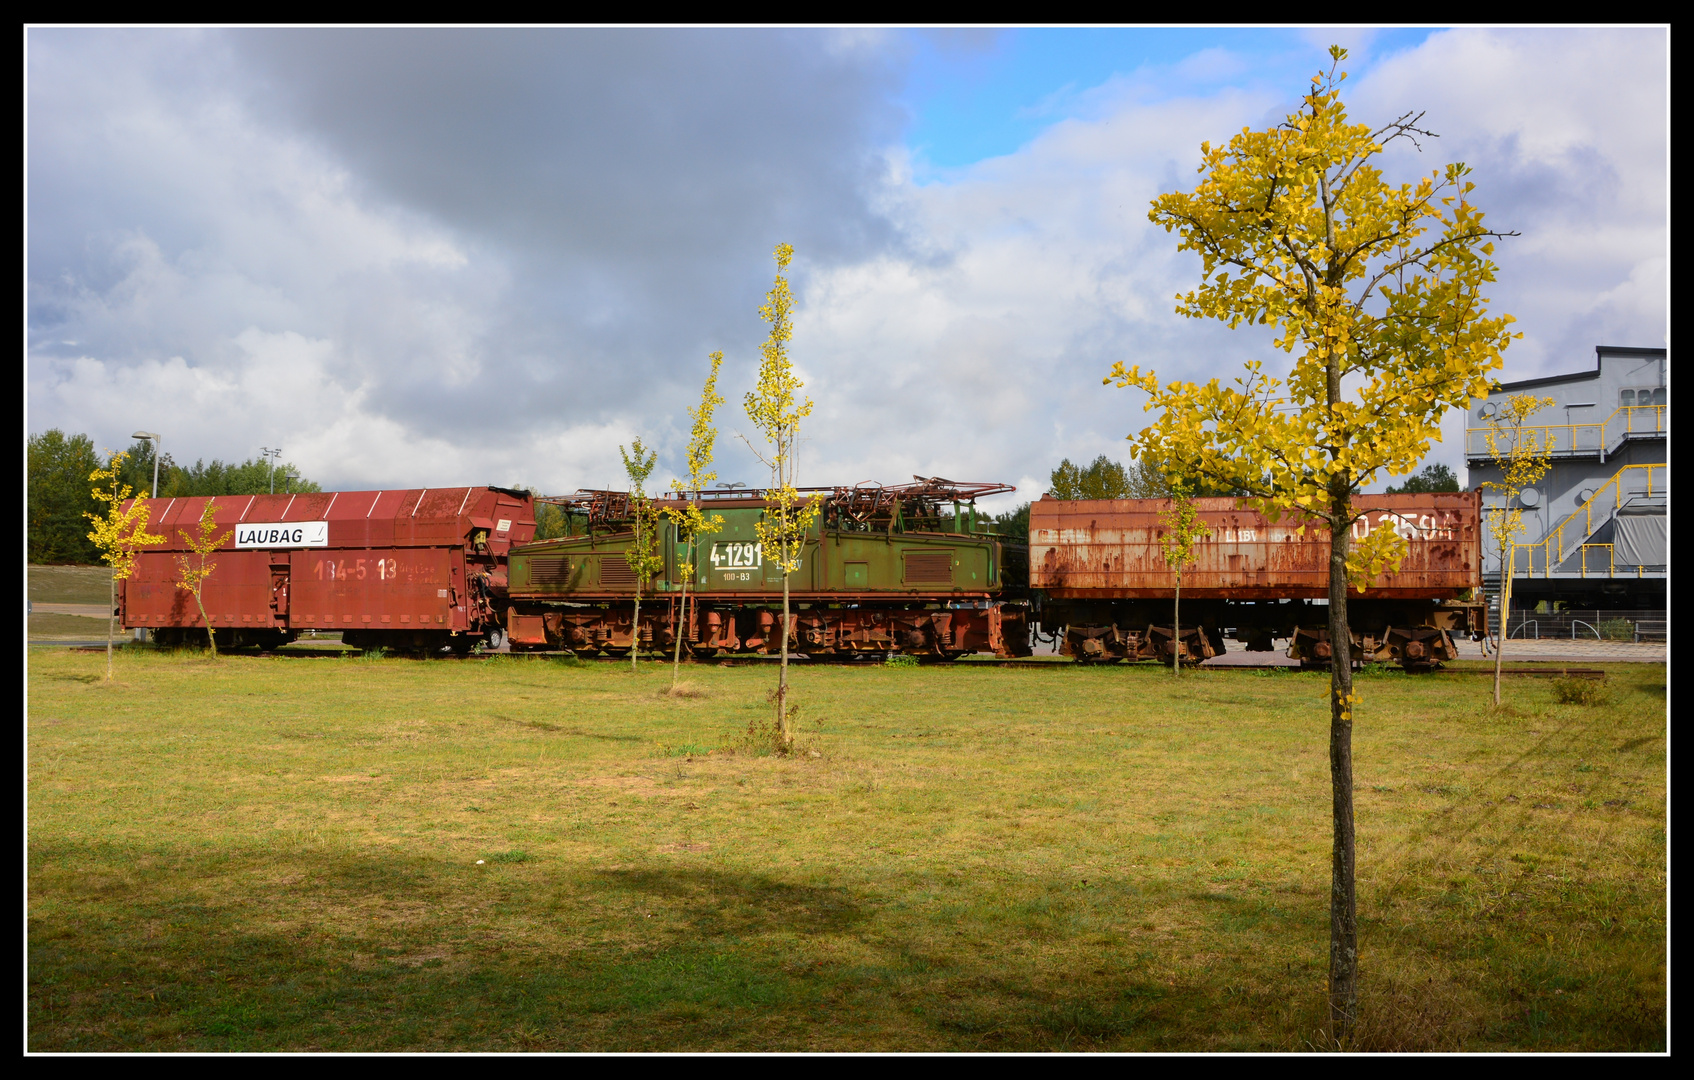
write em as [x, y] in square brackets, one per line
[398, 562]
[711, 629]
[868, 505]
[1110, 549]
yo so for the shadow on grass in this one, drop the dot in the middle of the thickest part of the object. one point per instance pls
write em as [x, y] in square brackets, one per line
[562, 729]
[305, 949]
[302, 948]
[720, 904]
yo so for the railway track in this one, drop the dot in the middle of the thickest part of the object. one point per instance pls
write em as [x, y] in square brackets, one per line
[1562, 671]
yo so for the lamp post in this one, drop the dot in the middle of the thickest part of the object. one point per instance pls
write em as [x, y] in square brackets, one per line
[152, 437]
[271, 453]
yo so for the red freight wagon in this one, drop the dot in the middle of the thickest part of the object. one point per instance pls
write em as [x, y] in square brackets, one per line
[1097, 573]
[1093, 549]
[408, 569]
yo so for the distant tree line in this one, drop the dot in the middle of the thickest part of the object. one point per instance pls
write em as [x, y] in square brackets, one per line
[60, 492]
[1432, 478]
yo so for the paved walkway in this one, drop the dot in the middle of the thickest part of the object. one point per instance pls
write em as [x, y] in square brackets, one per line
[1551, 650]
[1557, 650]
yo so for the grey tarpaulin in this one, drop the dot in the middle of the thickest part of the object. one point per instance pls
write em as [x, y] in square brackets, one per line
[1642, 537]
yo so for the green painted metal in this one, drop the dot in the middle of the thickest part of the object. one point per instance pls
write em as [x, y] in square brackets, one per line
[891, 563]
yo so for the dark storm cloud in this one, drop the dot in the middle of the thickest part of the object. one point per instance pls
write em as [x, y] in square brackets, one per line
[636, 180]
[614, 145]
[616, 193]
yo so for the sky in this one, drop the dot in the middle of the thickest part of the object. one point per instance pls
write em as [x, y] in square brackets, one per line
[437, 257]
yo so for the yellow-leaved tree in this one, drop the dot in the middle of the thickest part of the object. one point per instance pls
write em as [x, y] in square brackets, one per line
[1523, 461]
[120, 534]
[193, 569]
[691, 522]
[1375, 289]
[775, 411]
[643, 554]
[1183, 530]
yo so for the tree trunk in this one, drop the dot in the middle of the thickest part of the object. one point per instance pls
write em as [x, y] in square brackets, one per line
[1176, 627]
[681, 624]
[211, 638]
[682, 618]
[635, 630]
[112, 628]
[782, 675]
[1506, 567]
[1343, 907]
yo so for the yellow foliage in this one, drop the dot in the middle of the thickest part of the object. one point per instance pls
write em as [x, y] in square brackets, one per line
[1523, 460]
[119, 533]
[193, 569]
[692, 522]
[1374, 289]
[777, 413]
[1183, 530]
[643, 554]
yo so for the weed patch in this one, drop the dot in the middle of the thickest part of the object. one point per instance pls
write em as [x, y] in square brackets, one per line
[1579, 691]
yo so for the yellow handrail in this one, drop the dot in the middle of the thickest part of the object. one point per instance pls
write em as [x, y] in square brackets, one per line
[1637, 420]
[1554, 541]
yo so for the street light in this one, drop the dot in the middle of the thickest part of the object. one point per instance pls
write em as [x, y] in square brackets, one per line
[272, 453]
[152, 437]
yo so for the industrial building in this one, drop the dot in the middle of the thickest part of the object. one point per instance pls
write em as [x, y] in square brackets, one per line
[1596, 527]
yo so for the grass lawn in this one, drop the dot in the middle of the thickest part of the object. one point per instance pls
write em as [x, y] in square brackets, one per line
[70, 584]
[284, 853]
[71, 627]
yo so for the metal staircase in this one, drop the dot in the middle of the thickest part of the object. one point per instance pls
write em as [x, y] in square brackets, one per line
[1582, 544]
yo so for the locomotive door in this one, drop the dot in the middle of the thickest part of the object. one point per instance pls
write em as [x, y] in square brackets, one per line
[281, 564]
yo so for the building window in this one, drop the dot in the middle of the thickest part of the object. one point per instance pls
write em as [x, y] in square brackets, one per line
[1642, 396]
[1626, 397]
[1660, 396]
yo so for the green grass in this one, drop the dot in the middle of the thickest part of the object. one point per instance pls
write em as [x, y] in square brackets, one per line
[282, 854]
[77, 627]
[70, 584]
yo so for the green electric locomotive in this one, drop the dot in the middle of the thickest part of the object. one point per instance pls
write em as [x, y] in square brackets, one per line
[903, 568]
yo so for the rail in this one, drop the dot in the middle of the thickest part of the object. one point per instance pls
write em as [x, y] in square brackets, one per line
[1567, 440]
[1549, 553]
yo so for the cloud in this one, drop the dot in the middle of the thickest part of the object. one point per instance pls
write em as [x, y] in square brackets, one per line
[502, 234]
[423, 257]
[1567, 136]
[988, 356]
